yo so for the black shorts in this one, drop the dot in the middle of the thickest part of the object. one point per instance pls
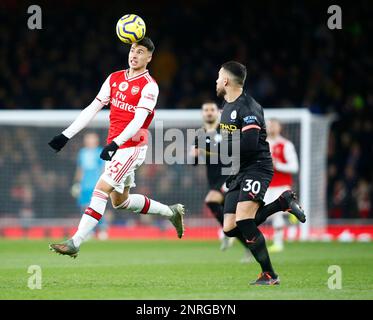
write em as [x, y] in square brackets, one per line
[249, 185]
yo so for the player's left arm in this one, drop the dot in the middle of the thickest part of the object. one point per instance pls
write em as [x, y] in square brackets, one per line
[250, 129]
[148, 100]
[291, 165]
[249, 139]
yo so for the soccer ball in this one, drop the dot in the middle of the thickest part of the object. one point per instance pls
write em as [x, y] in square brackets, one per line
[131, 28]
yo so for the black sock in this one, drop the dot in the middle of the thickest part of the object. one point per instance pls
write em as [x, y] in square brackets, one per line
[217, 211]
[257, 244]
[236, 233]
[265, 211]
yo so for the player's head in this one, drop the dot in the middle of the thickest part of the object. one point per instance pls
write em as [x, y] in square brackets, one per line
[141, 54]
[273, 127]
[232, 74]
[91, 140]
[210, 112]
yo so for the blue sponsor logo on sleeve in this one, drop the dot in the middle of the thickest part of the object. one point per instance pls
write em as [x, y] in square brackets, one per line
[249, 119]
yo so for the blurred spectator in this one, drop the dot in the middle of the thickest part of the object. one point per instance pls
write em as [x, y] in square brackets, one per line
[363, 194]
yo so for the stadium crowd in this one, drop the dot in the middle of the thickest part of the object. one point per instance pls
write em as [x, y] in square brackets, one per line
[293, 61]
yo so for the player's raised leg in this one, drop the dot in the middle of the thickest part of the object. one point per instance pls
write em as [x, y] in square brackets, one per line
[287, 201]
[141, 204]
[120, 175]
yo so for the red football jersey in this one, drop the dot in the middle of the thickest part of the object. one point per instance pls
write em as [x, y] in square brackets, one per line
[124, 95]
[285, 161]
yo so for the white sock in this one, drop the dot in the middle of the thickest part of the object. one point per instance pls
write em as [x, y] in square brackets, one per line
[139, 203]
[292, 232]
[278, 237]
[91, 216]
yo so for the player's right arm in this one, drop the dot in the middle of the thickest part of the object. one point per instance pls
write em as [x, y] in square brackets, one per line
[85, 117]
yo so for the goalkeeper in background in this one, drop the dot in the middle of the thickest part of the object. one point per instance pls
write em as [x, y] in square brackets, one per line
[89, 169]
[285, 164]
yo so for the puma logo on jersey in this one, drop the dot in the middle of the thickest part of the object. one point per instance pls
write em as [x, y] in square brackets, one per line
[114, 84]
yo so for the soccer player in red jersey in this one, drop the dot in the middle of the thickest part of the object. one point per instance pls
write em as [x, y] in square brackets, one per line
[285, 164]
[131, 95]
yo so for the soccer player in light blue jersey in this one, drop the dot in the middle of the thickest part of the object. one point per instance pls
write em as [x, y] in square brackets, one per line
[89, 169]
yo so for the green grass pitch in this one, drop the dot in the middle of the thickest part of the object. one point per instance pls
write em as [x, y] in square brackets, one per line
[182, 270]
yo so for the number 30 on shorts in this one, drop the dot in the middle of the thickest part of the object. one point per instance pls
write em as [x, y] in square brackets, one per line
[253, 186]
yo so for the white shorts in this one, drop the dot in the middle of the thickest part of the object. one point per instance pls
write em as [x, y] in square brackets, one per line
[120, 171]
[271, 195]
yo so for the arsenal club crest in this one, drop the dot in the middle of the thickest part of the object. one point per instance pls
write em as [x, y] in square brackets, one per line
[135, 90]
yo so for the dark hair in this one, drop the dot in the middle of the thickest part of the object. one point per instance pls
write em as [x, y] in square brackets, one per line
[147, 43]
[238, 70]
[210, 102]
